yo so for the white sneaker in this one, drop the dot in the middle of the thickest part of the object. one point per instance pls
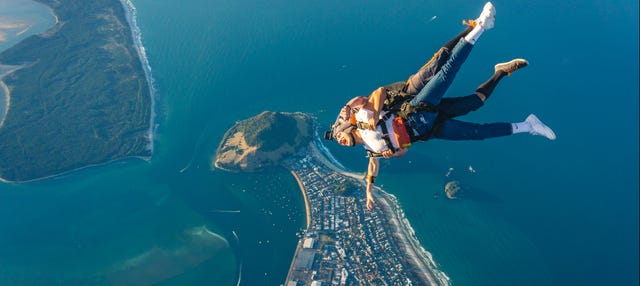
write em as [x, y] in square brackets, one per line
[487, 17]
[511, 66]
[539, 128]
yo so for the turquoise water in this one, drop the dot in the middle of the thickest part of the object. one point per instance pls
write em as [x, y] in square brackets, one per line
[535, 212]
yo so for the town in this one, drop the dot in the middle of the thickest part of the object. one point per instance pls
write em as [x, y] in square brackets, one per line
[346, 244]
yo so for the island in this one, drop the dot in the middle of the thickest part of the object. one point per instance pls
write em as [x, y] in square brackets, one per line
[451, 189]
[343, 242]
[77, 95]
[263, 141]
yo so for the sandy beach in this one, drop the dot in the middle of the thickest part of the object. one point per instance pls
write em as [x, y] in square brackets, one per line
[306, 200]
[5, 94]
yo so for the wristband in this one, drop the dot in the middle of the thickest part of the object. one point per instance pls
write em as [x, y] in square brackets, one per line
[371, 179]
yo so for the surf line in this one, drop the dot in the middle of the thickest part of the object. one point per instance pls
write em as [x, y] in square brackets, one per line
[225, 211]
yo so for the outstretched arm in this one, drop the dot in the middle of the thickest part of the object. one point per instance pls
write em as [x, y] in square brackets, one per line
[372, 173]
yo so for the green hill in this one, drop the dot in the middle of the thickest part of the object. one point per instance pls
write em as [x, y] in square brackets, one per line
[263, 141]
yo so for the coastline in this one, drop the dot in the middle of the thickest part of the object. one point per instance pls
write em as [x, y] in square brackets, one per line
[4, 90]
[58, 175]
[307, 205]
[417, 253]
[405, 233]
[131, 14]
[6, 95]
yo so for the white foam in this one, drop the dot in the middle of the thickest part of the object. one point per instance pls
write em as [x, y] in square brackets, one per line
[328, 154]
[131, 15]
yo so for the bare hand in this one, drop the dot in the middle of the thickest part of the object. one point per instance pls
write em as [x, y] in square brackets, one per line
[370, 201]
[387, 154]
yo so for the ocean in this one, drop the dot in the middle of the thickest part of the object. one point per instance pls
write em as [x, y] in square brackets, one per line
[532, 212]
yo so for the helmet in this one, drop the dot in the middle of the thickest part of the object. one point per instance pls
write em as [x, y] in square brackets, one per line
[342, 124]
[337, 127]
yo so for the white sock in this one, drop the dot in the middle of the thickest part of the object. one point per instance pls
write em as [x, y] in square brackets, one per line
[474, 35]
[520, 127]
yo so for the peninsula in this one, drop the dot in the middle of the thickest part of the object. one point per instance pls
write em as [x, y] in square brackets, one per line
[343, 243]
[77, 95]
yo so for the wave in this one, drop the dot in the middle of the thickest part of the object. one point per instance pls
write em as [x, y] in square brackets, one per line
[325, 151]
[131, 14]
[225, 211]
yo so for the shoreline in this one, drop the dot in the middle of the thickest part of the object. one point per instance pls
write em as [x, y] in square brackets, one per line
[418, 255]
[4, 93]
[4, 89]
[55, 176]
[307, 205]
[131, 14]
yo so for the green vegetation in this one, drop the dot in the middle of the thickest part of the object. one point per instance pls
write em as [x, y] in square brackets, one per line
[263, 141]
[270, 130]
[81, 97]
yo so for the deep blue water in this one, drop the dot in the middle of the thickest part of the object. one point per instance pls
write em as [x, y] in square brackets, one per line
[535, 212]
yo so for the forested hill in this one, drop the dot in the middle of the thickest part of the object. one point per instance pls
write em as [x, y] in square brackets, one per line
[263, 141]
[81, 96]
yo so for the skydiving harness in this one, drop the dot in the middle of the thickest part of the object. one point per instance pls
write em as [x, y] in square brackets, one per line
[398, 104]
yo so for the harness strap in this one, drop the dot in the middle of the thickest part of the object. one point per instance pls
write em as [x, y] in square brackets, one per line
[385, 135]
[373, 154]
[362, 125]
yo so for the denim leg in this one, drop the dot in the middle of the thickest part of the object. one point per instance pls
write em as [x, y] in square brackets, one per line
[435, 89]
[417, 81]
[457, 106]
[452, 129]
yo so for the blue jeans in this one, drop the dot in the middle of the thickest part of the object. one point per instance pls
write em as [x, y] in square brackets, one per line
[423, 123]
[441, 125]
[437, 86]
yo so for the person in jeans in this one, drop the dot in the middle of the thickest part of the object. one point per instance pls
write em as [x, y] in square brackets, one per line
[386, 130]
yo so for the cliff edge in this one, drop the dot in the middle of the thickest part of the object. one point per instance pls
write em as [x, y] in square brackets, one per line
[263, 141]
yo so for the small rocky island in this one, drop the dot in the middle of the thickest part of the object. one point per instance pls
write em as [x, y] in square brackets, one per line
[451, 189]
[263, 141]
